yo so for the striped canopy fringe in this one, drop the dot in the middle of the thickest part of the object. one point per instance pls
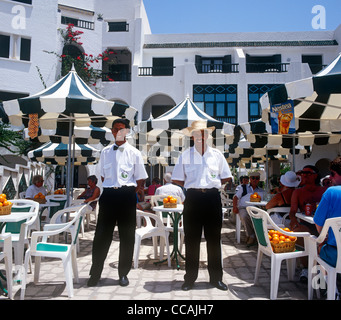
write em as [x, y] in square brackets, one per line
[317, 100]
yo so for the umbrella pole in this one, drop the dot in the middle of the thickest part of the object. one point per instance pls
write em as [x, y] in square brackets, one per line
[267, 172]
[293, 154]
[73, 165]
[69, 166]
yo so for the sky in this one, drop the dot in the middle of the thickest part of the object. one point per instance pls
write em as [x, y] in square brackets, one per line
[215, 16]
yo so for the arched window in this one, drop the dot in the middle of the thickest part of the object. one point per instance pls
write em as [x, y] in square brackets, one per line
[72, 53]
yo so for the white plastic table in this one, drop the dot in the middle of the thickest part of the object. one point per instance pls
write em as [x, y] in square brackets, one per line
[175, 215]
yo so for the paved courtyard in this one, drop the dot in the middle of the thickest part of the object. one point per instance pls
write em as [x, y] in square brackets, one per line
[159, 282]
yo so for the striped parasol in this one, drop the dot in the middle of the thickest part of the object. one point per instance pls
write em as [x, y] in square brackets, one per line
[68, 101]
[58, 153]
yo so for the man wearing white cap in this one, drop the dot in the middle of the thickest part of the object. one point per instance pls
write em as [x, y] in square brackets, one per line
[201, 170]
[239, 206]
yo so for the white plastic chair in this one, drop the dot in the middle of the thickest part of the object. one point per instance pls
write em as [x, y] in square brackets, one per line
[60, 198]
[6, 255]
[155, 201]
[70, 213]
[284, 210]
[314, 259]
[261, 222]
[20, 231]
[66, 252]
[150, 230]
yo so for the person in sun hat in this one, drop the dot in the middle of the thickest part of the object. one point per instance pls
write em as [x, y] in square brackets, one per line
[289, 182]
[239, 205]
[202, 170]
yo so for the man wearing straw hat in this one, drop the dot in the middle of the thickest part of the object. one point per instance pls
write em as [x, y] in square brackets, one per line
[201, 170]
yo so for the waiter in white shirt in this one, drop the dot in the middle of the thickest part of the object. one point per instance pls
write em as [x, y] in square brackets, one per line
[123, 172]
[201, 170]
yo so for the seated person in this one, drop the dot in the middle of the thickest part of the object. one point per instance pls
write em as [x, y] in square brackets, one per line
[91, 193]
[170, 189]
[36, 187]
[239, 206]
[310, 193]
[289, 181]
[329, 207]
[153, 187]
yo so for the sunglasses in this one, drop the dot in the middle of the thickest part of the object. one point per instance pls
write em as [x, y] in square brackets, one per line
[255, 178]
[307, 172]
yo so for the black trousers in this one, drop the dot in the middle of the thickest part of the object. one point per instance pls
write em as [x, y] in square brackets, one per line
[203, 211]
[116, 206]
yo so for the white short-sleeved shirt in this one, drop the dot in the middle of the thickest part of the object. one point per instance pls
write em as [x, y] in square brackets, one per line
[201, 171]
[250, 190]
[170, 189]
[33, 190]
[121, 167]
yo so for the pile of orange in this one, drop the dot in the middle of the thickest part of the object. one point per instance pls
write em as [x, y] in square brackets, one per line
[255, 197]
[276, 237]
[39, 196]
[59, 191]
[3, 201]
[170, 199]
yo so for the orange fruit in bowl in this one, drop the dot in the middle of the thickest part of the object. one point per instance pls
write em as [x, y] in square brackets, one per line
[173, 200]
[6, 203]
[282, 238]
[275, 241]
[2, 199]
[165, 200]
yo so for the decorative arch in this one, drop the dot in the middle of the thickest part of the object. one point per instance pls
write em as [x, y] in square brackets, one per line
[156, 105]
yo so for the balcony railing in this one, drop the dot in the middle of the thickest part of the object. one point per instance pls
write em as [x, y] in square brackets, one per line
[232, 120]
[156, 71]
[116, 76]
[217, 68]
[78, 23]
[266, 67]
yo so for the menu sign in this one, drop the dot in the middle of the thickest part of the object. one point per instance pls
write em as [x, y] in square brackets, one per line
[282, 118]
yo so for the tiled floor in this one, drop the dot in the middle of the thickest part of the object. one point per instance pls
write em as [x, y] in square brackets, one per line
[158, 282]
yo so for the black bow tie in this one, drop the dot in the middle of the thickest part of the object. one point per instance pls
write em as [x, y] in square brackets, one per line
[115, 148]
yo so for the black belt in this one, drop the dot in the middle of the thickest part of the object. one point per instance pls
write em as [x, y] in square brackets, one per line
[203, 190]
[120, 188]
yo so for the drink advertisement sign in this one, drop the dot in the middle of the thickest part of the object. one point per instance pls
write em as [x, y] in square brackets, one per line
[282, 118]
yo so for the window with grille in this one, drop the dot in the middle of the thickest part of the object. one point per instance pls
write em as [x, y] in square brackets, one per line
[218, 101]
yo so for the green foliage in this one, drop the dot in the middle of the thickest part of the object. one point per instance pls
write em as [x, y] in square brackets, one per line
[87, 66]
[13, 141]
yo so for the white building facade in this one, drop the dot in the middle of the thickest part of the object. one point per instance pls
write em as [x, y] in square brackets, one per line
[223, 73]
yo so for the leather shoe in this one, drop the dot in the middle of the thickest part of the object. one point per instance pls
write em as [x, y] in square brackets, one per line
[219, 285]
[186, 286]
[123, 281]
[92, 282]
